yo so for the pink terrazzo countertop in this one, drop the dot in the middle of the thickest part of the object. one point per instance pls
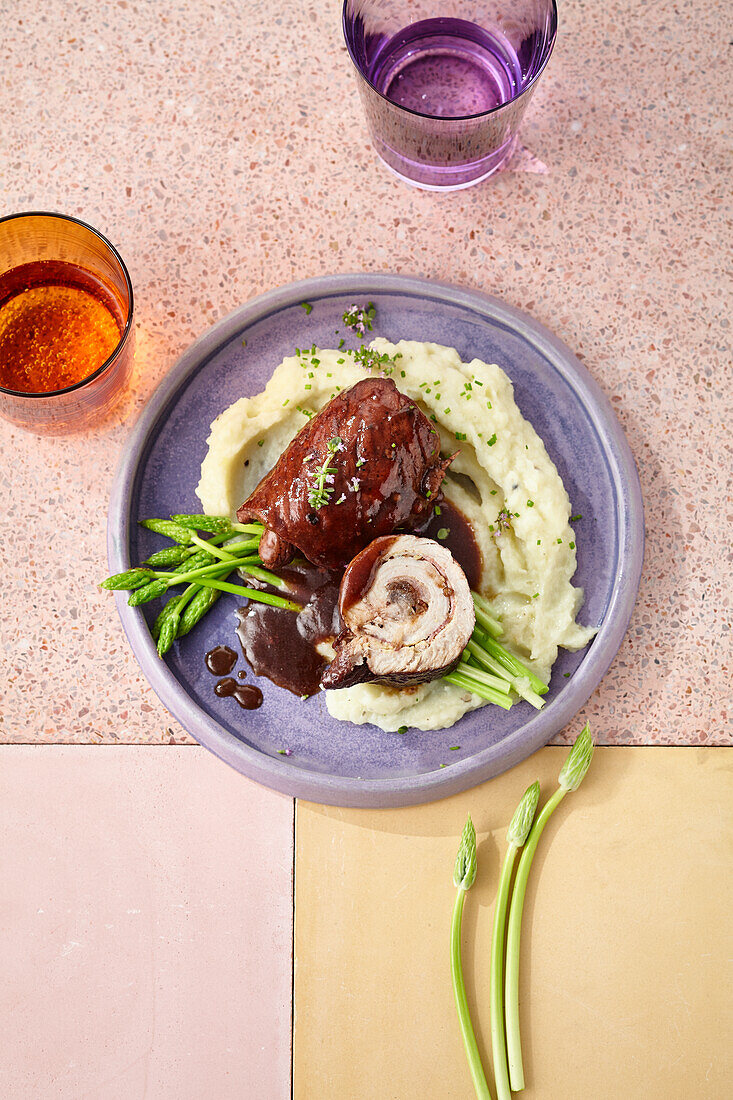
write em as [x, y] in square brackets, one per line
[222, 148]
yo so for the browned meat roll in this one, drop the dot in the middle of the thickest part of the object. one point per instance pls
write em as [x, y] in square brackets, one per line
[367, 464]
[407, 612]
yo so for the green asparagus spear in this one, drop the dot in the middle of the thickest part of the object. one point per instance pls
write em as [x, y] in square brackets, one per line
[570, 778]
[464, 874]
[517, 834]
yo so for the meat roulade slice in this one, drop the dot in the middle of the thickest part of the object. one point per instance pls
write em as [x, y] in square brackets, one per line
[407, 612]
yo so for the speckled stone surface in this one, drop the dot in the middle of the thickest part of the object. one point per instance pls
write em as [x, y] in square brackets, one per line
[222, 149]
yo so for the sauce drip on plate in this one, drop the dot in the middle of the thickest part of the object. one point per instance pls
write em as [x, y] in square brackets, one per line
[281, 645]
[248, 696]
[221, 660]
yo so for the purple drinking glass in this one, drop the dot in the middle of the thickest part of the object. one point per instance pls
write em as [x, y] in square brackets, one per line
[445, 85]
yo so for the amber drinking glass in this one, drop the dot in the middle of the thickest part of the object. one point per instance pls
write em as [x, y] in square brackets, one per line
[89, 304]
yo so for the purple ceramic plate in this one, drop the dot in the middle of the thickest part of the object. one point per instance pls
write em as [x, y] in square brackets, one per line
[336, 762]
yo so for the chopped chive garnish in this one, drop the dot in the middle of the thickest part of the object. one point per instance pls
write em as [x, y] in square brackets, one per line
[571, 545]
[443, 533]
[492, 441]
[307, 307]
[530, 504]
[574, 518]
[371, 359]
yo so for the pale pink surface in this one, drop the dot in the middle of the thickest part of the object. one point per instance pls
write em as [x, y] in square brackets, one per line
[223, 149]
[146, 909]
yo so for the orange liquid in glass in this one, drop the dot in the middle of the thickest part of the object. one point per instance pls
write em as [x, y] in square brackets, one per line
[58, 325]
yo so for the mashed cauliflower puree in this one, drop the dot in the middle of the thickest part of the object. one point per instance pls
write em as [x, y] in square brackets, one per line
[502, 480]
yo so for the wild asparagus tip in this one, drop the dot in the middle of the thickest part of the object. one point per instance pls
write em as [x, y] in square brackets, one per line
[521, 823]
[464, 871]
[578, 761]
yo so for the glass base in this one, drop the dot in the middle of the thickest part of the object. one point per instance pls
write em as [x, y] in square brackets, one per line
[427, 177]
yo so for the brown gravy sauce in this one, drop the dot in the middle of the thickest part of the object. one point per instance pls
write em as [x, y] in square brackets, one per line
[460, 540]
[220, 660]
[248, 696]
[281, 645]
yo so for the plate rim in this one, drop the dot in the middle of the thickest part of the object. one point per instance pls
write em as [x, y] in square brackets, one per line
[347, 791]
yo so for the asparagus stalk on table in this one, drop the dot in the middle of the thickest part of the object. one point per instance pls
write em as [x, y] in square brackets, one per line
[517, 834]
[570, 778]
[464, 874]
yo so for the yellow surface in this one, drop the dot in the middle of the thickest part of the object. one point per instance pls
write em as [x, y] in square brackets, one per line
[625, 987]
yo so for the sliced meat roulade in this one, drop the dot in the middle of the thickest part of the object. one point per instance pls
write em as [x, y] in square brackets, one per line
[407, 612]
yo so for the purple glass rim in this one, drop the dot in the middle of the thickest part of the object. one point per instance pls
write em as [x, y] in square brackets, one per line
[110, 361]
[456, 118]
